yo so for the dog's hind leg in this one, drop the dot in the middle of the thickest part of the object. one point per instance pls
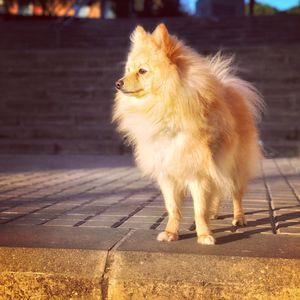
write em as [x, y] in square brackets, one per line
[202, 193]
[238, 212]
[214, 206]
[173, 195]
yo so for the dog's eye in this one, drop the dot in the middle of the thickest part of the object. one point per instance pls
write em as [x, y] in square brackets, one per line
[142, 71]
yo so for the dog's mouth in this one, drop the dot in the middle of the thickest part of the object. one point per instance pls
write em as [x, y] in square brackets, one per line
[130, 92]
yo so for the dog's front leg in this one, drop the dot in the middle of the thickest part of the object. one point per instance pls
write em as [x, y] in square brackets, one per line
[202, 195]
[173, 194]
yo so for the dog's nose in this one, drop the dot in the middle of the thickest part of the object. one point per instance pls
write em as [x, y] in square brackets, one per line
[119, 84]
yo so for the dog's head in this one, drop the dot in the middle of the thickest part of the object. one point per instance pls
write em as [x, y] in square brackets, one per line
[150, 63]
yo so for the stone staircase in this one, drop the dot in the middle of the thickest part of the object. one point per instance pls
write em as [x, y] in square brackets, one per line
[56, 80]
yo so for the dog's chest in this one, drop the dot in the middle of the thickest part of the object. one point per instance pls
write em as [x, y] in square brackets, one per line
[161, 153]
[159, 146]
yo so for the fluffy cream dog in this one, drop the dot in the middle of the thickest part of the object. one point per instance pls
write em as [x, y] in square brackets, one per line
[191, 122]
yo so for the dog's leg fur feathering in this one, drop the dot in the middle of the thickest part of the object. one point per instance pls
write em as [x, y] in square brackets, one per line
[173, 194]
[202, 192]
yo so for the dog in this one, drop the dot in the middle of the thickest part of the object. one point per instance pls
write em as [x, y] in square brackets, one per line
[192, 124]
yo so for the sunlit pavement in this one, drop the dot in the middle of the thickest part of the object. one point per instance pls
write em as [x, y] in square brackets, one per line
[108, 192]
[103, 203]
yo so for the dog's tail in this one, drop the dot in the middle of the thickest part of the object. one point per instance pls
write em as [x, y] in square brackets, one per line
[224, 70]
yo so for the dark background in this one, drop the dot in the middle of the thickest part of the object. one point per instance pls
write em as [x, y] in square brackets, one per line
[57, 77]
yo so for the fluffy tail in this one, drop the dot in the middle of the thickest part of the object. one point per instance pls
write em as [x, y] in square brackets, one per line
[224, 70]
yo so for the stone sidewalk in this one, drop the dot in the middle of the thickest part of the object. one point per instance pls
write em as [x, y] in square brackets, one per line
[108, 192]
[101, 203]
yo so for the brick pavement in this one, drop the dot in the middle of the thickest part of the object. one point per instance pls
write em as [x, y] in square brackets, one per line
[108, 192]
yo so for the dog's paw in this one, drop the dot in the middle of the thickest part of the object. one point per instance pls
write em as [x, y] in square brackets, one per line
[206, 240]
[239, 221]
[213, 217]
[166, 236]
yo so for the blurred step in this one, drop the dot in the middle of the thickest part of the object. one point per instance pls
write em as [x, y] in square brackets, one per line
[57, 81]
[56, 146]
[282, 148]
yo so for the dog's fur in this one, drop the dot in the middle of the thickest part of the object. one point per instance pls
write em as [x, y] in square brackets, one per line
[192, 124]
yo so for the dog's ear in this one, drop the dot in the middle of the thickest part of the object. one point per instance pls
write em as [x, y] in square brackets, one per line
[161, 36]
[138, 34]
[169, 44]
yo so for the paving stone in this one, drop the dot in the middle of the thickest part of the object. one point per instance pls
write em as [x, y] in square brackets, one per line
[105, 218]
[87, 209]
[149, 211]
[10, 214]
[290, 230]
[118, 211]
[61, 222]
[105, 202]
[142, 219]
[233, 244]
[290, 224]
[97, 223]
[62, 238]
[3, 221]
[136, 225]
[27, 221]
[69, 217]
[53, 210]
[287, 209]
[258, 217]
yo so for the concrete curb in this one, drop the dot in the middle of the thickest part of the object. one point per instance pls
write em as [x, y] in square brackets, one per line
[51, 273]
[132, 265]
[89, 274]
[140, 275]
